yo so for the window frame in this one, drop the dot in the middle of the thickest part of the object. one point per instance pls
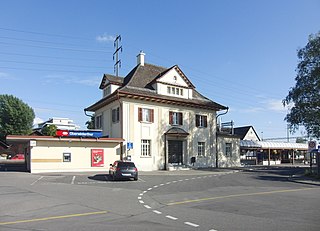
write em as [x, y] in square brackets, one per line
[175, 118]
[201, 149]
[228, 149]
[201, 121]
[98, 121]
[145, 148]
[66, 157]
[115, 115]
[146, 115]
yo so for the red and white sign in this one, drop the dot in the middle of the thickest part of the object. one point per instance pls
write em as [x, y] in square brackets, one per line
[62, 133]
[97, 158]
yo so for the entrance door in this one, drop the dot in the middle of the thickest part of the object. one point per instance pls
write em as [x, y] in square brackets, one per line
[175, 152]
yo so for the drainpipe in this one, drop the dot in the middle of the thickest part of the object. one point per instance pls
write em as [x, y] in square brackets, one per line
[217, 154]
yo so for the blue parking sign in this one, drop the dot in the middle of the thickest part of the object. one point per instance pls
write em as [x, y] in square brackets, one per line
[129, 145]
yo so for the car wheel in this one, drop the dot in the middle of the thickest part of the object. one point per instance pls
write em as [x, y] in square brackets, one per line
[136, 178]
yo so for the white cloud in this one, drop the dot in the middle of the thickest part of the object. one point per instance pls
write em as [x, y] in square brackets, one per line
[5, 76]
[105, 38]
[58, 79]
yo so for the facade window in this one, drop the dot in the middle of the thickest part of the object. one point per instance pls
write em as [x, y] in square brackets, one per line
[115, 115]
[201, 148]
[66, 157]
[146, 148]
[175, 91]
[98, 122]
[107, 91]
[145, 115]
[175, 118]
[201, 121]
[228, 149]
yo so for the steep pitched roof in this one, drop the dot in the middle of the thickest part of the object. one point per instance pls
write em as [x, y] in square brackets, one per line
[138, 83]
[243, 131]
[112, 79]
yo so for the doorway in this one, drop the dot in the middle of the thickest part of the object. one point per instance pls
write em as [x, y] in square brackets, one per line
[175, 152]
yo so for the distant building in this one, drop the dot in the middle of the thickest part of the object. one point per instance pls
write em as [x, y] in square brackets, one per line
[60, 123]
[255, 151]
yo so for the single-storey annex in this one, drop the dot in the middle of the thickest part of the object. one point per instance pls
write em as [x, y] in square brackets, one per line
[67, 154]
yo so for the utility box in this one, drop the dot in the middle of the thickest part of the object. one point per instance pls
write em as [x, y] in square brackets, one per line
[315, 162]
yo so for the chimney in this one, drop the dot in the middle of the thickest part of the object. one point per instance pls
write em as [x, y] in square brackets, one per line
[140, 58]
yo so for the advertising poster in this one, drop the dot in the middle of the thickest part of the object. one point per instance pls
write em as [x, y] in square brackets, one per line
[97, 158]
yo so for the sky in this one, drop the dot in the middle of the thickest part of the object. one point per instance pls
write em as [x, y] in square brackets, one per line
[241, 54]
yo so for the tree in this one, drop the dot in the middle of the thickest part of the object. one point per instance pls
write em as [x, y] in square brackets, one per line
[90, 123]
[305, 95]
[49, 130]
[16, 117]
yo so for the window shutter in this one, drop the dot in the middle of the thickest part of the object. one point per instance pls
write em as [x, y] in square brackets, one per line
[151, 116]
[180, 118]
[197, 120]
[205, 121]
[170, 117]
[139, 114]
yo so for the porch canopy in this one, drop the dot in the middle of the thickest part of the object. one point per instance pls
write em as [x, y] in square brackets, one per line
[272, 145]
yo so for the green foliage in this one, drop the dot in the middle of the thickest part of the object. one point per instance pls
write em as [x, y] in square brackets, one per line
[90, 123]
[49, 130]
[305, 95]
[16, 117]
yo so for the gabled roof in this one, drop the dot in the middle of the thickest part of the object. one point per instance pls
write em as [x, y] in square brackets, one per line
[243, 131]
[112, 80]
[188, 82]
[138, 84]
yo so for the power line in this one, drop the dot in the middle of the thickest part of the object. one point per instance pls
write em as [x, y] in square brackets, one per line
[50, 70]
[51, 57]
[46, 34]
[49, 64]
[57, 48]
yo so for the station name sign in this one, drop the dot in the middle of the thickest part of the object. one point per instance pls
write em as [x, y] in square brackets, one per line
[78, 133]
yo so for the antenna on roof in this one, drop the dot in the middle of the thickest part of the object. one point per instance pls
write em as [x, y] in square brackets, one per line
[118, 48]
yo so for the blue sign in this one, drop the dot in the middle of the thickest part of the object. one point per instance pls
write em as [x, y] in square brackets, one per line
[93, 134]
[129, 145]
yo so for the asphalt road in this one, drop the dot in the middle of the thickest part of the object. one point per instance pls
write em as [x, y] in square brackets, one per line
[256, 199]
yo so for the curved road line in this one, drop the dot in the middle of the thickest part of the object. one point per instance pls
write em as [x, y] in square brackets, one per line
[239, 195]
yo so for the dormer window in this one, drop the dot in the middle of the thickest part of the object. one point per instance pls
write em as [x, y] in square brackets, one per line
[107, 91]
[177, 91]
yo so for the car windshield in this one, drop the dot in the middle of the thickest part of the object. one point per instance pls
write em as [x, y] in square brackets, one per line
[126, 164]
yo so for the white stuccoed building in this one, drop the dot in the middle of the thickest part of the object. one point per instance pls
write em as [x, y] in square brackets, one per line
[161, 116]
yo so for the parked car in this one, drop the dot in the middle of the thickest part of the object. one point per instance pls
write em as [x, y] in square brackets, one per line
[18, 157]
[123, 170]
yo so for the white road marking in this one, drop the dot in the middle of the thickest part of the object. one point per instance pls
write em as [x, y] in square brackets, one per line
[213, 230]
[191, 224]
[145, 191]
[180, 180]
[171, 217]
[141, 202]
[139, 198]
[157, 212]
[168, 183]
[156, 186]
[36, 180]
[149, 189]
[141, 194]
[147, 206]
[73, 178]
[161, 184]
